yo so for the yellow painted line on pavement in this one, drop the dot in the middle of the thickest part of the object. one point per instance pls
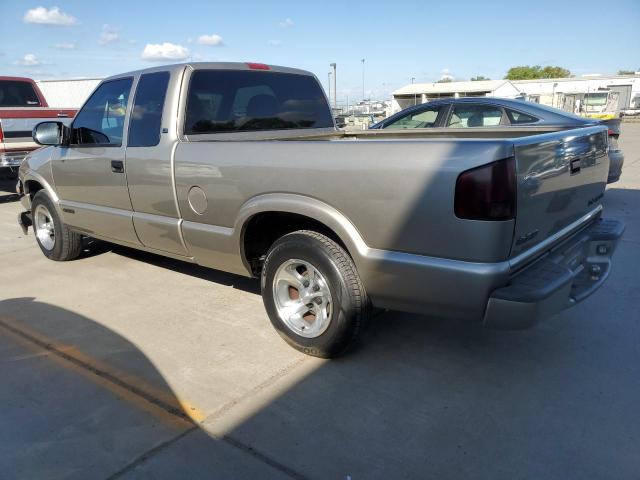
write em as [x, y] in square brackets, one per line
[162, 403]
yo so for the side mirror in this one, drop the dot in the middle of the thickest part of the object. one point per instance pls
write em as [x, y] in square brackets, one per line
[49, 133]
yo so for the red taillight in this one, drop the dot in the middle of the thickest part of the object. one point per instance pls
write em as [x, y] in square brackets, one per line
[487, 192]
[1, 133]
[258, 66]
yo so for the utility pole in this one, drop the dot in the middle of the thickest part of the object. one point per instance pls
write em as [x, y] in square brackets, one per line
[415, 96]
[362, 79]
[335, 90]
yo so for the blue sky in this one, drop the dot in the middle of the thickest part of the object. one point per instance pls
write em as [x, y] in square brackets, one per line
[398, 40]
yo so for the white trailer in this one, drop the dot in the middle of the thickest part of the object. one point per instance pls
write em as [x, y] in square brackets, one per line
[68, 93]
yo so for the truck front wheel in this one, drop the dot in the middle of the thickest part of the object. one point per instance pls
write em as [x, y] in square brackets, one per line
[54, 238]
[313, 294]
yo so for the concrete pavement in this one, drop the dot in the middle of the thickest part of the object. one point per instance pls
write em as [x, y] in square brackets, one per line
[127, 365]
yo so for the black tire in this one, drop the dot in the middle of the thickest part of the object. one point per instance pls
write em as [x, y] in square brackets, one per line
[67, 243]
[350, 309]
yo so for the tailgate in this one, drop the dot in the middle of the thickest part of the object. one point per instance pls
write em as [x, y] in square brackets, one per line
[561, 178]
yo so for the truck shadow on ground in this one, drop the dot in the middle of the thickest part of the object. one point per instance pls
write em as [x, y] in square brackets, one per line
[246, 284]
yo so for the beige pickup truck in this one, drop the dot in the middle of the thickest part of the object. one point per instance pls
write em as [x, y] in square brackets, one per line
[239, 167]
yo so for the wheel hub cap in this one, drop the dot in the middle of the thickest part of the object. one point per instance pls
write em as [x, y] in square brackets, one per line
[302, 298]
[45, 230]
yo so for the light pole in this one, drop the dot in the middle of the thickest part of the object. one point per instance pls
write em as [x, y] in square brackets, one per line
[362, 79]
[329, 85]
[335, 91]
[415, 98]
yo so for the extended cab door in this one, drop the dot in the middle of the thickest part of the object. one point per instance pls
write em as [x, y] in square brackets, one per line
[90, 173]
[150, 146]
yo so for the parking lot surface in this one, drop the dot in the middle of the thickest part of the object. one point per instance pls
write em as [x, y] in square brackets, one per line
[124, 364]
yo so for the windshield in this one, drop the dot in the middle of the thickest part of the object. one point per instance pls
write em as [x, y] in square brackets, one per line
[596, 99]
[16, 93]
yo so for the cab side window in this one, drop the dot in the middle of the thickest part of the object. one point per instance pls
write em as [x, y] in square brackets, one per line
[146, 114]
[469, 116]
[101, 120]
[421, 119]
[518, 118]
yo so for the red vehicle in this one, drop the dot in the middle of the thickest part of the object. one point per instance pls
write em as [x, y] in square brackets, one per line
[22, 107]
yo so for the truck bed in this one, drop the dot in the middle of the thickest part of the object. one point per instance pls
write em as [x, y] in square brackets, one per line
[405, 200]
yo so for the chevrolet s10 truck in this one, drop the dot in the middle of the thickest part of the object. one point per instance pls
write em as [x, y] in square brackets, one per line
[239, 167]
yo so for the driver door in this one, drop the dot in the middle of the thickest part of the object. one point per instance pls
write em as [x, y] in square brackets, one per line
[90, 174]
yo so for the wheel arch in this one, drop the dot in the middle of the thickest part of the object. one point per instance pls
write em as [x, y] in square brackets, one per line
[34, 182]
[284, 213]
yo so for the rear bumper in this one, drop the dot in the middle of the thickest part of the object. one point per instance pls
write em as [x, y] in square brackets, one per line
[565, 276]
[512, 294]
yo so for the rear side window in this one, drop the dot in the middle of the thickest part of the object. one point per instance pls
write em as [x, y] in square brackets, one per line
[146, 115]
[17, 94]
[470, 116]
[101, 119]
[517, 118]
[422, 119]
[243, 101]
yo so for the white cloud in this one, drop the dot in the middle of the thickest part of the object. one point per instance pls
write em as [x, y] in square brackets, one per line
[52, 16]
[274, 43]
[446, 75]
[156, 52]
[108, 35]
[29, 60]
[65, 46]
[286, 23]
[213, 40]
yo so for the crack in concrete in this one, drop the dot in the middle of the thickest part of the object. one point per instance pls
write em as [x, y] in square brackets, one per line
[150, 453]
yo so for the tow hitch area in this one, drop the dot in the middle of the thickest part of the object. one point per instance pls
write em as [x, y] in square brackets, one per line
[24, 219]
[566, 276]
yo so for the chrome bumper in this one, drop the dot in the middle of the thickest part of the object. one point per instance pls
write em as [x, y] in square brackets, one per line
[12, 159]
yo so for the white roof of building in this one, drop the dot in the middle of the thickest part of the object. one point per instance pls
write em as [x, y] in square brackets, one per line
[584, 78]
[445, 87]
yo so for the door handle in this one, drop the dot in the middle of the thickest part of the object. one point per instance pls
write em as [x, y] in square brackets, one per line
[117, 166]
[575, 166]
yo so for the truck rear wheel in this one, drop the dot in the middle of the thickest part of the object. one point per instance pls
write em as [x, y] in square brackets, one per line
[54, 238]
[313, 294]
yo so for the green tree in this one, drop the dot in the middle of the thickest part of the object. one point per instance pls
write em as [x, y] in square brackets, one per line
[626, 72]
[479, 78]
[445, 80]
[526, 72]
